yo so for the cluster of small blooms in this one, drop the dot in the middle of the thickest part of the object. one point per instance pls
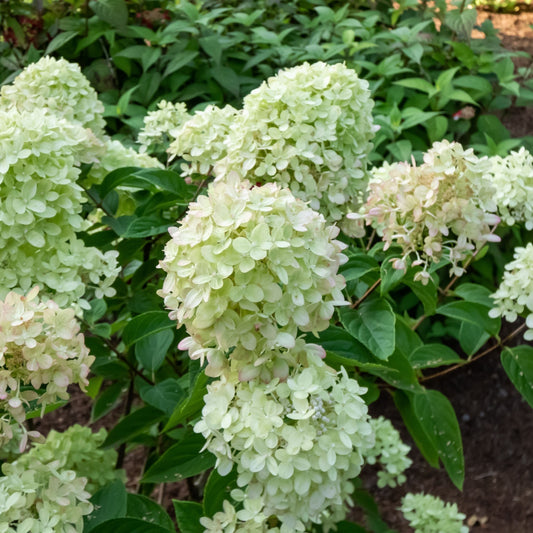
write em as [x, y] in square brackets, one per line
[161, 125]
[512, 180]
[40, 345]
[390, 452]
[308, 128]
[515, 293]
[117, 155]
[77, 449]
[429, 514]
[41, 205]
[250, 266]
[435, 210]
[61, 88]
[201, 140]
[46, 489]
[297, 443]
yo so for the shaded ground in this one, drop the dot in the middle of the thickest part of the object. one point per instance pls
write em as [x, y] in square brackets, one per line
[496, 424]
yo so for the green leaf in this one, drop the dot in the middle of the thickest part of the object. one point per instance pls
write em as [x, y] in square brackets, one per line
[412, 116]
[216, 491]
[427, 294]
[212, 47]
[372, 324]
[132, 425]
[152, 349]
[227, 78]
[403, 401]
[188, 516]
[436, 128]
[349, 527]
[124, 101]
[390, 277]
[397, 371]
[180, 461]
[481, 86]
[60, 40]
[164, 395]
[437, 417]
[461, 96]
[471, 338]
[401, 150]
[107, 400]
[473, 313]
[417, 83]
[109, 502]
[114, 12]
[192, 405]
[432, 355]
[146, 509]
[179, 61]
[146, 324]
[445, 78]
[340, 342]
[358, 264]
[461, 22]
[130, 525]
[518, 363]
[471, 292]
[141, 227]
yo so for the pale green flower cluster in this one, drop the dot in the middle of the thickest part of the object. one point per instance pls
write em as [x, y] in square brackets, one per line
[308, 128]
[78, 449]
[41, 347]
[512, 180]
[433, 211]
[296, 443]
[161, 125]
[429, 514]
[515, 293]
[61, 88]
[201, 140]
[249, 267]
[46, 489]
[390, 452]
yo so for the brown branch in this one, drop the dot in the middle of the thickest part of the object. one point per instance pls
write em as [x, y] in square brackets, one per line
[366, 294]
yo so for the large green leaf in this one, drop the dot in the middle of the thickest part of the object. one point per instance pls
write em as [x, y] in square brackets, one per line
[109, 502]
[472, 312]
[471, 337]
[188, 516]
[436, 416]
[146, 324]
[114, 12]
[180, 461]
[130, 525]
[518, 363]
[432, 355]
[164, 395]
[338, 341]
[216, 491]
[152, 349]
[372, 324]
[133, 424]
[146, 509]
[358, 265]
[471, 292]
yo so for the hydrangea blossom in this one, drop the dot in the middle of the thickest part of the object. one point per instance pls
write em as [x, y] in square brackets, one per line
[429, 514]
[161, 125]
[390, 452]
[60, 87]
[201, 139]
[512, 180]
[250, 266]
[435, 210]
[41, 346]
[515, 293]
[77, 449]
[296, 443]
[41, 204]
[308, 128]
[46, 489]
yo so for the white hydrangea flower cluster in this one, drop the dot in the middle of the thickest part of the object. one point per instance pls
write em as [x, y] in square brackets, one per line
[296, 443]
[439, 209]
[308, 128]
[515, 293]
[161, 125]
[41, 347]
[47, 488]
[201, 139]
[250, 266]
[390, 452]
[41, 206]
[511, 178]
[61, 88]
[429, 514]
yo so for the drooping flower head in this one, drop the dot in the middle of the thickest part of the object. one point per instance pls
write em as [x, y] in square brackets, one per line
[433, 210]
[201, 139]
[160, 125]
[41, 347]
[429, 514]
[250, 266]
[308, 128]
[296, 444]
[60, 87]
[40, 155]
[511, 178]
[515, 294]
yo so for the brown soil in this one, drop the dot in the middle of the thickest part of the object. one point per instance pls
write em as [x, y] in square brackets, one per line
[496, 423]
